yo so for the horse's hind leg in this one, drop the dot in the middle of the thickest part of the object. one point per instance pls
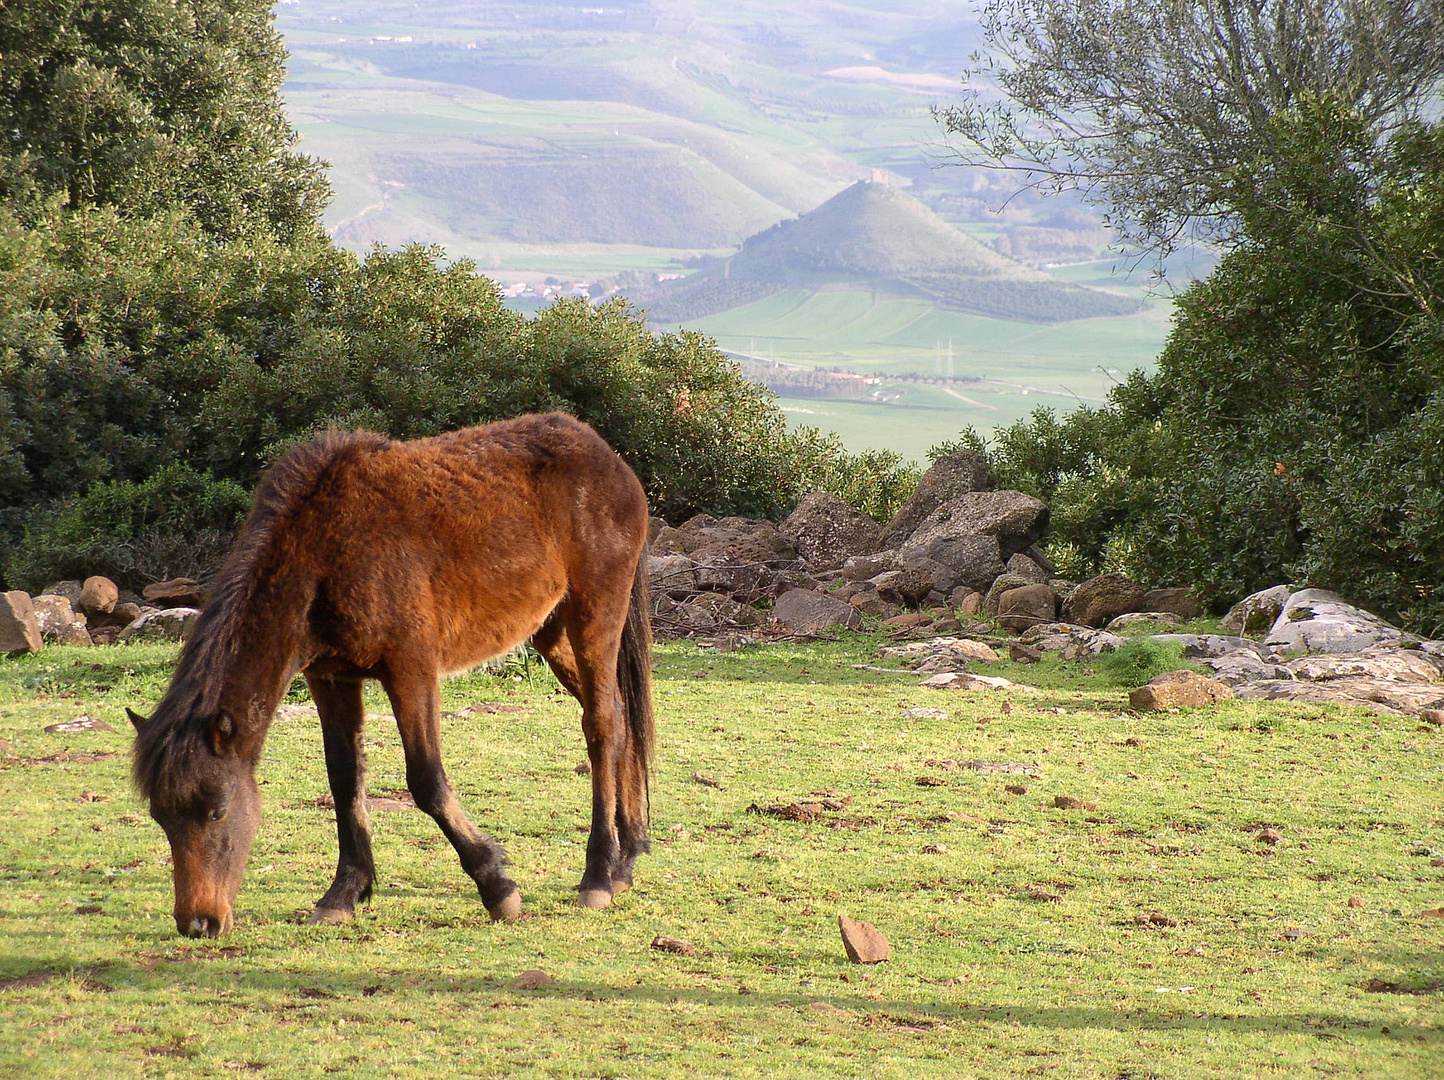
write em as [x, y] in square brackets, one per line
[417, 702]
[554, 643]
[585, 660]
[342, 718]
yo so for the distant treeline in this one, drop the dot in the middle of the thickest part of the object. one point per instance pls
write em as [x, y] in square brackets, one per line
[698, 297]
[818, 384]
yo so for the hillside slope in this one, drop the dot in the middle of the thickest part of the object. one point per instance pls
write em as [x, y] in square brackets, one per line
[876, 234]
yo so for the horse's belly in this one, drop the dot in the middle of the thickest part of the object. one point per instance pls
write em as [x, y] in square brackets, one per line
[477, 623]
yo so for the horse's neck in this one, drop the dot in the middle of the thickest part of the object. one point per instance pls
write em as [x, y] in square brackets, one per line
[259, 668]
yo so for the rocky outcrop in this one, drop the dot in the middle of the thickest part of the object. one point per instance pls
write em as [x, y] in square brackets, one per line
[1179, 690]
[169, 624]
[1180, 602]
[1026, 607]
[826, 531]
[176, 593]
[1255, 615]
[1318, 621]
[59, 622]
[806, 612]
[1103, 598]
[950, 477]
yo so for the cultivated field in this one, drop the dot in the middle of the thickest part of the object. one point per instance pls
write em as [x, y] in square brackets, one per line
[1021, 365]
[1155, 935]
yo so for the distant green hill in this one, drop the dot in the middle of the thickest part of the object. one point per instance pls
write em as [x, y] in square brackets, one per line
[877, 234]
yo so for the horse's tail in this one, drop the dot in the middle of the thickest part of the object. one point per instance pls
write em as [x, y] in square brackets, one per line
[634, 675]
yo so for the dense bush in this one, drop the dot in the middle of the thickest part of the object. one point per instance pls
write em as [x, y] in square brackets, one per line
[171, 313]
[177, 522]
[128, 345]
[1292, 430]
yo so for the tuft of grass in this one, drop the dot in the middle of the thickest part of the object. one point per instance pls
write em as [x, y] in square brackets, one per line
[1136, 662]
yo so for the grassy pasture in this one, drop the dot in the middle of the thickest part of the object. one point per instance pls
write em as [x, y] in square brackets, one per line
[1022, 365]
[1154, 936]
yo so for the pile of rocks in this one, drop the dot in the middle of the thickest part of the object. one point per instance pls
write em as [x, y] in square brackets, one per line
[1281, 644]
[97, 612]
[955, 550]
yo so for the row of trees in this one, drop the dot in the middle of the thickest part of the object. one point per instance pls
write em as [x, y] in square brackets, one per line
[173, 316]
[1292, 431]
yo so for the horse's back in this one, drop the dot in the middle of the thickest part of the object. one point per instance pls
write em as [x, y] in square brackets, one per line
[467, 541]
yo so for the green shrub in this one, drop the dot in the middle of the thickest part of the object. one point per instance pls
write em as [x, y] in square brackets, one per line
[1292, 430]
[177, 522]
[1137, 662]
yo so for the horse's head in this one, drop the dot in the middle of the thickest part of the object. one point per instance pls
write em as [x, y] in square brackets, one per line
[203, 794]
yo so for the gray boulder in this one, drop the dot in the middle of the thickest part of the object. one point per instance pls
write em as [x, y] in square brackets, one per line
[19, 629]
[1001, 584]
[867, 567]
[68, 589]
[951, 476]
[1255, 615]
[827, 531]
[1180, 602]
[1142, 618]
[1024, 565]
[177, 592]
[1319, 621]
[974, 559]
[1017, 520]
[671, 575]
[1027, 606]
[943, 577]
[59, 622]
[807, 612]
[870, 602]
[735, 539]
[1207, 646]
[1072, 642]
[170, 624]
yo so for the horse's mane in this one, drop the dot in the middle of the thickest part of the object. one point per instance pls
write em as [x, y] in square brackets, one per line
[167, 746]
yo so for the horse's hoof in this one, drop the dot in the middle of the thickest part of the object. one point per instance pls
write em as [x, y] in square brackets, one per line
[619, 886]
[509, 910]
[594, 899]
[328, 916]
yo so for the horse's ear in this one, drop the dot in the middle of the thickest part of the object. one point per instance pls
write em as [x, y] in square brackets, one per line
[223, 730]
[136, 719]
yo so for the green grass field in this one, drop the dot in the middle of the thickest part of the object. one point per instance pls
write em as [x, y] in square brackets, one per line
[1022, 366]
[1154, 936]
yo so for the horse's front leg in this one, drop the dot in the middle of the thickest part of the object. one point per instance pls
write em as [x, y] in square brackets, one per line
[342, 718]
[416, 701]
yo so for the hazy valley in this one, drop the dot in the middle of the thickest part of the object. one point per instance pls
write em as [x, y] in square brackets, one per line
[634, 148]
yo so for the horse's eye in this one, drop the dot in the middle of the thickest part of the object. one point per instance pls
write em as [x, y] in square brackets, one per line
[216, 814]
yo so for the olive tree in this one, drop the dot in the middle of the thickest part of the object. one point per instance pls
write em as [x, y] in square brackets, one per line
[1165, 112]
[151, 106]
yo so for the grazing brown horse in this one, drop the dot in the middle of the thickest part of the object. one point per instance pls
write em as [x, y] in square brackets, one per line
[364, 558]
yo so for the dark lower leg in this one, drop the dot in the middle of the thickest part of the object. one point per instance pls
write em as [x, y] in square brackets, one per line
[342, 718]
[418, 717]
[604, 747]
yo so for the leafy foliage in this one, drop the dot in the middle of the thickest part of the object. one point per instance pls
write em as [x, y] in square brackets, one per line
[1291, 433]
[176, 522]
[151, 106]
[1164, 110]
[128, 345]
